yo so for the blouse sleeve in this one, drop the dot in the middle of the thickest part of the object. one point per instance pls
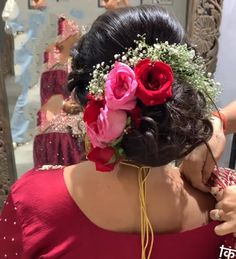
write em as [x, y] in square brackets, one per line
[10, 231]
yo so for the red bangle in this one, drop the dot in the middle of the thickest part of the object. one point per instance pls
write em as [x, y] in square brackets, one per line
[223, 119]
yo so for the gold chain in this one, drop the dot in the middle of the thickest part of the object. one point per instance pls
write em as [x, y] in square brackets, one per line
[147, 233]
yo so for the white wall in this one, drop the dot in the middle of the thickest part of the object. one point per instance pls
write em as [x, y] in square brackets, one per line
[226, 66]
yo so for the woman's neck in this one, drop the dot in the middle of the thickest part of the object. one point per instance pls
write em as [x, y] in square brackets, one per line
[161, 173]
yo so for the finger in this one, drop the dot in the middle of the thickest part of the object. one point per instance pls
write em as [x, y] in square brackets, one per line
[219, 205]
[230, 191]
[197, 183]
[220, 195]
[225, 206]
[215, 192]
[217, 214]
[225, 228]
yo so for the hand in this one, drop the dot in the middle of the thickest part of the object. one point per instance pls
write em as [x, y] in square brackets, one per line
[225, 211]
[198, 165]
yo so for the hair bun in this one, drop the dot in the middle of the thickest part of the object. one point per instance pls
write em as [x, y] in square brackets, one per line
[78, 80]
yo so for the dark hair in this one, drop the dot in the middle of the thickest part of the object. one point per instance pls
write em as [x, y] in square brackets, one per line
[113, 32]
[169, 131]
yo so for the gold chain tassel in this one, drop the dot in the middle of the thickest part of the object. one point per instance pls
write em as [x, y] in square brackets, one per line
[147, 234]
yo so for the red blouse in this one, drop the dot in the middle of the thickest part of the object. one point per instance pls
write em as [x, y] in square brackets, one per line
[41, 220]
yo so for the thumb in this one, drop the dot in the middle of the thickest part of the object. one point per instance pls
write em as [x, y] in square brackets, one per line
[224, 229]
[217, 192]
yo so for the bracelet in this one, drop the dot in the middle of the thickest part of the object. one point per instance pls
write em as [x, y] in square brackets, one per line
[223, 119]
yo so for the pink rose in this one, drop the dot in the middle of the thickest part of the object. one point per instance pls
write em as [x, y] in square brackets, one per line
[120, 88]
[111, 124]
[103, 125]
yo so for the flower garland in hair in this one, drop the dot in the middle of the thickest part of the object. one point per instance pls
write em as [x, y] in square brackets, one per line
[145, 73]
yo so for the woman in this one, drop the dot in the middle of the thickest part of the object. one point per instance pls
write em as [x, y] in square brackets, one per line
[144, 109]
[60, 125]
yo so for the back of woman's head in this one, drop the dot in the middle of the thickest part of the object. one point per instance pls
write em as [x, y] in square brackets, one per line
[116, 30]
[167, 131]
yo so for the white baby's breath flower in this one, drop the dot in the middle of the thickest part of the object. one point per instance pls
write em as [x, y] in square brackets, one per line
[124, 58]
[131, 61]
[182, 59]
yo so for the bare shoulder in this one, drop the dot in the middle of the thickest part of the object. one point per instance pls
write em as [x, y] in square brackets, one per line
[175, 205]
[80, 173]
[196, 208]
[82, 178]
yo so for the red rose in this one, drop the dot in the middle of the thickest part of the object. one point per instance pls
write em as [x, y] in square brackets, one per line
[92, 111]
[104, 158]
[155, 81]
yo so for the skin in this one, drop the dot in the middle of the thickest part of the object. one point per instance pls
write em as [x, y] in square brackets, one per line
[198, 166]
[38, 4]
[226, 208]
[114, 4]
[230, 114]
[51, 108]
[65, 47]
[72, 107]
[110, 200]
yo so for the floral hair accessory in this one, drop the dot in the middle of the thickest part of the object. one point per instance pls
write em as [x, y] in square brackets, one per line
[144, 74]
[120, 88]
[155, 80]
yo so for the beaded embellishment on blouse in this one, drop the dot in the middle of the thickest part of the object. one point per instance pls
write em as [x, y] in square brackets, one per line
[49, 167]
[65, 123]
